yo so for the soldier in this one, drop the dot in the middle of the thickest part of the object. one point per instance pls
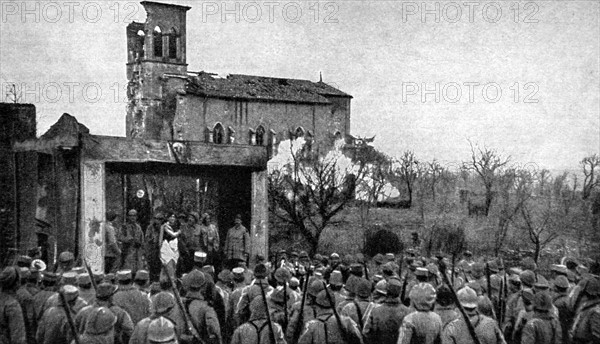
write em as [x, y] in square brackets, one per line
[253, 290]
[561, 302]
[586, 327]
[486, 329]
[100, 326]
[12, 323]
[277, 304]
[163, 305]
[130, 299]
[86, 292]
[26, 302]
[161, 330]
[234, 297]
[68, 278]
[325, 327]
[123, 326]
[112, 253]
[237, 243]
[53, 326]
[308, 313]
[424, 325]
[202, 315]
[524, 315]
[383, 324]
[445, 305]
[357, 309]
[49, 288]
[543, 328]
[141, 281]
[65, 262]
[257, 328]
[131, 238]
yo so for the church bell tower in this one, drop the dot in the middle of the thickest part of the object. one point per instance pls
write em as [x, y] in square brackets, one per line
[156, 70]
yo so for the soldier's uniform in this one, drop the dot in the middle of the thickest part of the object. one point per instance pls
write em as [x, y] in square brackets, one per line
[586, 326]
[357, 309]
[123, 327]
[486, 328]
[39, 300]
[203, 317]
[131, 238]
[53, 327]
[12, 324]
[132, 300]
[26, 302]
[422, 326]
[384, 322]
[100, 326]
[308, 313]
[234, 298]
[562, 303]
[257, 330]
[543, 328]
[325, 328]
[252, 291]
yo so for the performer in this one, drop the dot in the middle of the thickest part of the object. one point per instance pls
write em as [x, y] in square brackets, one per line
[131, 238]
[169, 250]
[237, 244]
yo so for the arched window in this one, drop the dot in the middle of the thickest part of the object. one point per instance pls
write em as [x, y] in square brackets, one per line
[260, 135]
[173, 43]
[218, 134]
[157, 42]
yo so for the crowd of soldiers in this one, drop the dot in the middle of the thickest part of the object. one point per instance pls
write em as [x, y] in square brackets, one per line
[296, 299]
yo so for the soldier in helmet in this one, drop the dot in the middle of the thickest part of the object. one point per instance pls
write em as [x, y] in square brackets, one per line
[100, 326]
[543, 328]
[161, 330]
[202, 315]
[562, 303]
[384, 322]
[131, 238]
[250, 292]
[486, 329]
[53, 326]
[325, 328]
[357, 309]
[586, 326]
[257, 329]
[12, 324]
[66, 260]
[308, 313]
[424, 323]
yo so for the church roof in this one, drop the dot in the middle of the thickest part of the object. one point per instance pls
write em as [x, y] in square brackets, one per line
[261, 88]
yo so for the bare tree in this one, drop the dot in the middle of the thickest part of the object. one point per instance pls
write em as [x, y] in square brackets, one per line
[488, 165]
[309, 192]
[13, 95]
[405, 171]
[539, 222]
[589, 165]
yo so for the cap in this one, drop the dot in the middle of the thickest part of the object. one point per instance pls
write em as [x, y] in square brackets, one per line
[66, 256]
[378, 258]
[468, 253]
[105, 290]
[161, 330]
[78, 270]
[24, 261]
[238, 274]
[49, 276]
[390, 256]
[394, 287]
[381, 287]
[83, 279]
[69, 277]
[260, 271]
[132, 212]
[336, 278]
[422, 295]
[334, 256]
[542, 302]
[199, 256]
[124, 275]
[70, 291]
[303, 255]
[101, 320]
[467, 298]
[422, 272]
[561, 282]
[294, 254]
[163, 302]
[142, 275]
[493, 266]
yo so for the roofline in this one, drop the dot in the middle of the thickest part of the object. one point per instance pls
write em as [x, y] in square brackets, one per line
[255, 99]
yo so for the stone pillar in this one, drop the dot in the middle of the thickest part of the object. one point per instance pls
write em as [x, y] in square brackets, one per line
[259, 225]
[93, 208]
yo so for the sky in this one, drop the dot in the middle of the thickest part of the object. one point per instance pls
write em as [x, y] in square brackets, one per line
[521, 77]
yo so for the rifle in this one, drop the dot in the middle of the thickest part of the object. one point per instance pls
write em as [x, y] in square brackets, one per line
[285, 309]
[402, 296]
[264, 297]
[503, 294]
[460, 307]
[69, 316]
[186, 318]
[364, 264]
[337, 316]
[89, 271]
[298, 328]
